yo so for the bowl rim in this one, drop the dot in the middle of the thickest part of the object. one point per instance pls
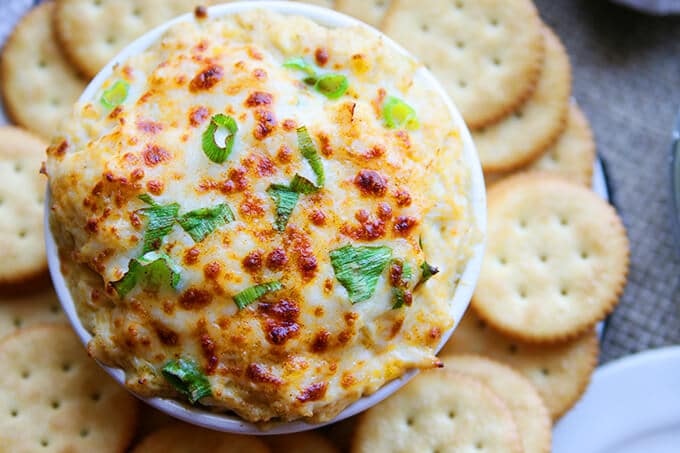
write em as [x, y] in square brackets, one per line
[461, 298]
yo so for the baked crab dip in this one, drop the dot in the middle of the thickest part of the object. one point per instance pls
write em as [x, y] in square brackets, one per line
[263, 216]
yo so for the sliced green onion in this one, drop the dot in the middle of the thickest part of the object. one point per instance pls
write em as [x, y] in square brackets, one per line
[161, 218]
[398, 114]
[310, 153]
[359, 268]
[115, 95]
[302, 65]
[212, 150]
[331, 85]
[250, 295]
[427, 271]
[398, 297]
[302, 185]
[201, 222]
[285, 199]
[187, 378]
[152, 270]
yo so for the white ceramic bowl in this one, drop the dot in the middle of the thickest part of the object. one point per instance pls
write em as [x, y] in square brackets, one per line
[234, 424]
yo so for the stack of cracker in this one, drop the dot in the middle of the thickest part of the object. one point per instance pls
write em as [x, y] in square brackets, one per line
[556, 262]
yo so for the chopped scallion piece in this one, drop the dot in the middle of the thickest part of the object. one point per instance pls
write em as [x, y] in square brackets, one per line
[250, 295]
[398, 114]
[218, 123]
[152, 270]
[302, 65]
[115, 95]
[186, 377]
[398, 297]
[359, 268]
[331, 85]
[201, 222]
[428, 271]
[285, 199]
[300, 184]
[310, 153]
[161, 218]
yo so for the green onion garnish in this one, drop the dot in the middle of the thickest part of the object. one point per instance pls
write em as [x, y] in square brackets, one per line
[186, 377]
[398, 114]
[115, 95]
[331, 85]
[201, 222]
[302, 65]
[152, 270]
[285, 199]
[161, 218]
[358, 269]
[215, 152]
[428, 271]
[310, 153]
[250, 295]
[302, 185]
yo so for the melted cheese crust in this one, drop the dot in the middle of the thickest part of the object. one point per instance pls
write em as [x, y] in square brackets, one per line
[306, 351]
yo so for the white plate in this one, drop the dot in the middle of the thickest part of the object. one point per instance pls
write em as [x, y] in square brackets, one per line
[631, 406]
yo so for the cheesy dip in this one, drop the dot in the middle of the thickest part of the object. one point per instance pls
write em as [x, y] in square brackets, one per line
[263, 216]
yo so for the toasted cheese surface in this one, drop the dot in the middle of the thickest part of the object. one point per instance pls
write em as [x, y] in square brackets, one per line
[304, 350]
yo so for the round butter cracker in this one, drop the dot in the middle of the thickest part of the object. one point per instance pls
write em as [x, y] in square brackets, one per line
[39, 86]
[303, 442]
[442, 411]
[572, 156]
[92, 32]
[560, 372]
[370, 11]
[54, 398]
[487, 54]
[556, 259]
[528, 131]
[523, 400]
[22, 196]
[21, 311]
[182, 438]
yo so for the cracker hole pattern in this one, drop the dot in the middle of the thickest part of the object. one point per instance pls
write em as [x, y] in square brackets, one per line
[584, 255]
[409, 421]
[23, 234]
[512, 349]
[17, 322]
[452, 415]
[496, 61]
[460, 44]
[462, 83]
[479, 445]
[25, 374]
[65, 367]
[543, 257]
[459, 4]
[44, 442]
[425, 27]
[84, 432]
[14, 413]
[518, 114]
[545, 372]
[56, 404]
[96, 397]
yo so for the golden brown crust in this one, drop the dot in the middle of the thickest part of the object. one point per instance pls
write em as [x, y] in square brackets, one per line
[561, 253]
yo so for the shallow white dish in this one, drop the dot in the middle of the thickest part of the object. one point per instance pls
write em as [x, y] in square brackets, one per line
[228, 423]
[631, 406]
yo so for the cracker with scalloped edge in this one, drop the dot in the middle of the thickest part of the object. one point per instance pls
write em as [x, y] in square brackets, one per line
[302, 442]
[54, 398]
[439, 410]
[39, 86]
[560, 372]
[182, 438]
[370, 11]
[572, 156]
[92, 32]
[556, 259]
[25, 310]
[530, 129]
[22, 195]
[527, 407]
[487, 54]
